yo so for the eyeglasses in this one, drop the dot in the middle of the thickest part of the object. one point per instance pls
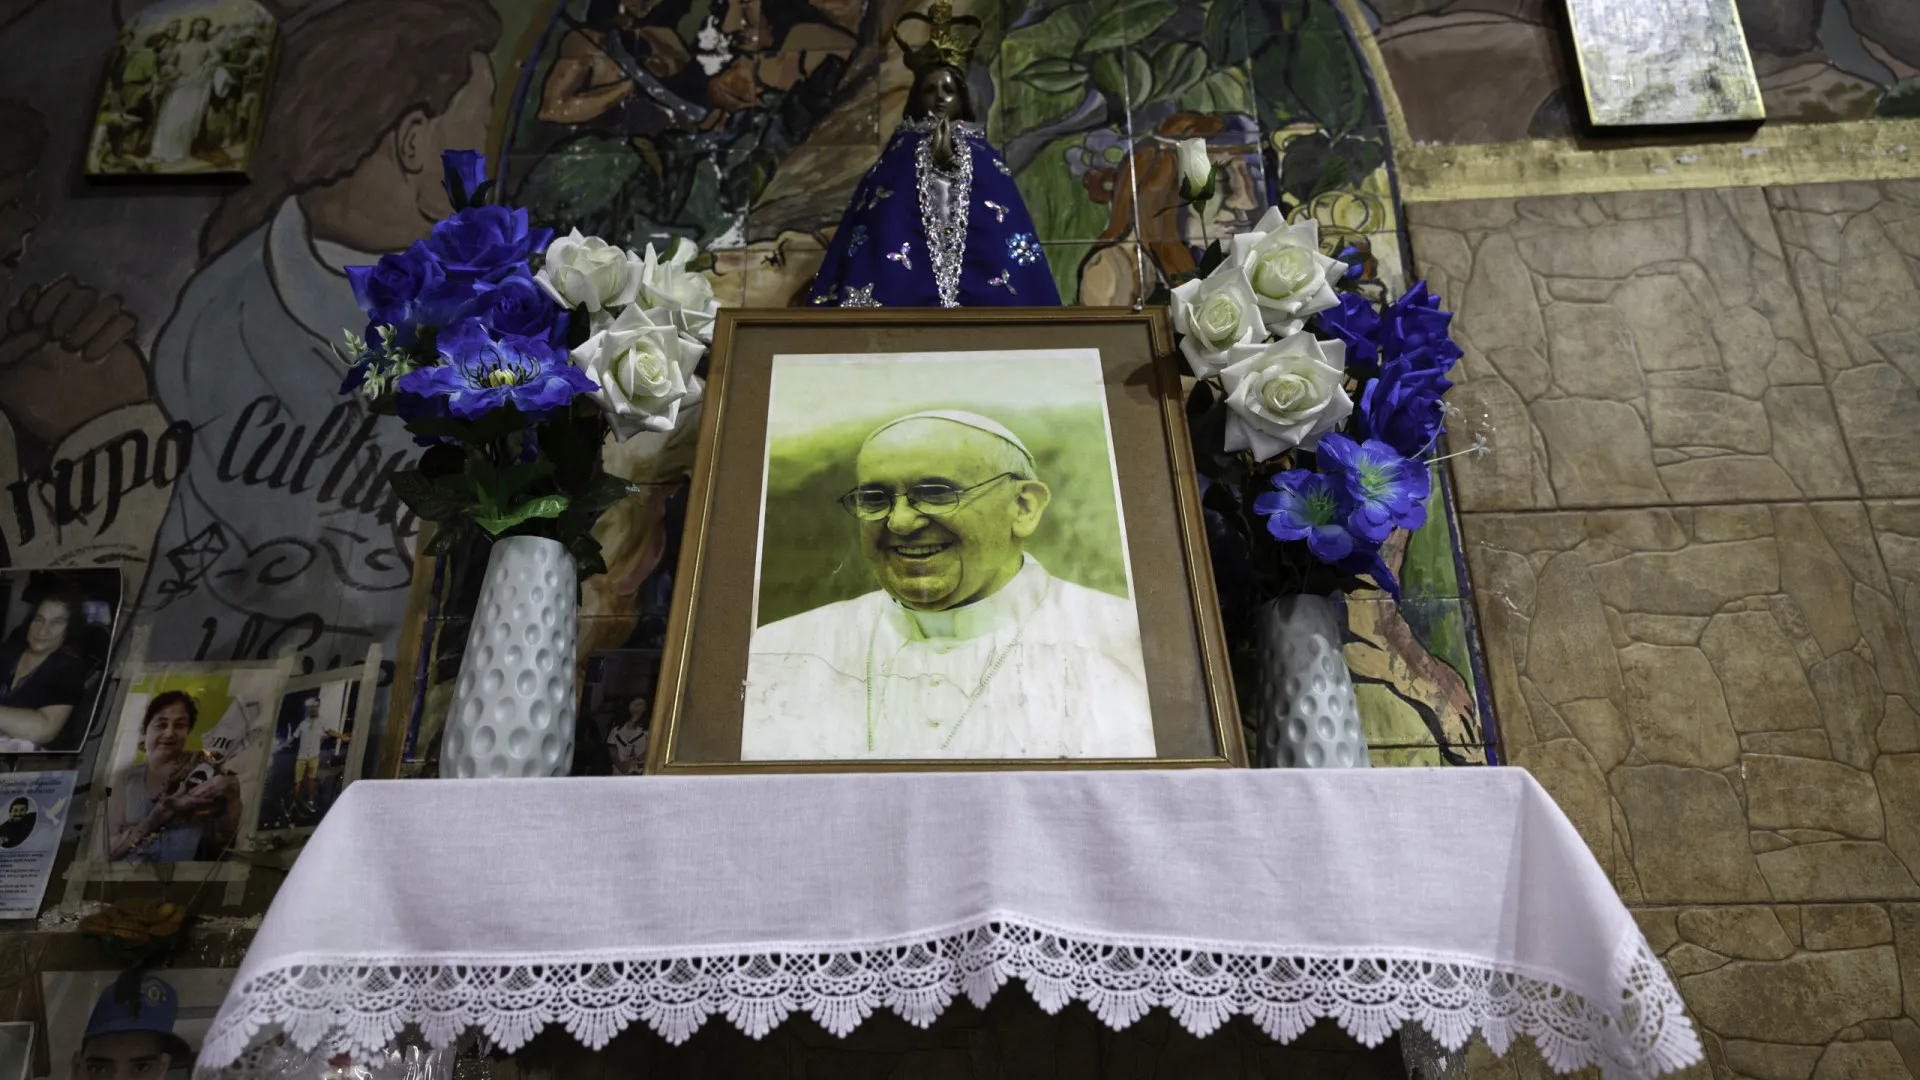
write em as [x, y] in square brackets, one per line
[932, 499]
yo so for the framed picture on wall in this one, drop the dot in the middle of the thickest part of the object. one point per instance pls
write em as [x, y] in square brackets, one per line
[943, 539]
[58, 630]
[185, 91]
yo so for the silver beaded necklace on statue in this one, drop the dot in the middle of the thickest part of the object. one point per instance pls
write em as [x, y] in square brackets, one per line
[979, 691]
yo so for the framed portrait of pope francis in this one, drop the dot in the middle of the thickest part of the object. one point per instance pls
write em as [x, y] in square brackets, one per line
[943, 539]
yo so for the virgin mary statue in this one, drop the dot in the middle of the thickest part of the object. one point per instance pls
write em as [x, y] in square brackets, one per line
[937, 221]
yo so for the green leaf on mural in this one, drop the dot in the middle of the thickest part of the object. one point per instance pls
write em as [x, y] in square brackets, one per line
[1325, 74]
[1224, 34]
[1109, 76]
[1055, 75]
[428, 500]
[1178, 66]
[1127, 23]
[1222, 92]
[1022, 106]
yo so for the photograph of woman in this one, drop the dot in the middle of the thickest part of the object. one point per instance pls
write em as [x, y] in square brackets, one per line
[53, 656]
[158, 812]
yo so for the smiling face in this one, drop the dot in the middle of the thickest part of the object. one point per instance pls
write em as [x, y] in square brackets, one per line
[166, 734]
[48, 630]
[931, 563]
[938, 92]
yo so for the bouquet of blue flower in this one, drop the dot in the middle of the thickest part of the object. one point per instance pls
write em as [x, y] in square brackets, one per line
[1315, 410]
[510, 354]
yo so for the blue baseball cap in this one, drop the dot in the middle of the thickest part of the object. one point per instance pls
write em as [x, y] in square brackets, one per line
[153, 1011]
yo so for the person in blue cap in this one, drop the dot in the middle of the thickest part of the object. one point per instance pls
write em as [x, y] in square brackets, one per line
[132, 1040]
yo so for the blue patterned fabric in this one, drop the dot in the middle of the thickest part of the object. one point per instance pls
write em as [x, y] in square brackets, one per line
[881, 257]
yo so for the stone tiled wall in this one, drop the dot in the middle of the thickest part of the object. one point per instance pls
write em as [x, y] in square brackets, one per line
[1695, 546]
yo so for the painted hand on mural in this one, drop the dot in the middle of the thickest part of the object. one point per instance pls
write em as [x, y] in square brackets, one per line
[67, 355]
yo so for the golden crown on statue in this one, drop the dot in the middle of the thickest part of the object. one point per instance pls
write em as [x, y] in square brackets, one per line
[946, 45]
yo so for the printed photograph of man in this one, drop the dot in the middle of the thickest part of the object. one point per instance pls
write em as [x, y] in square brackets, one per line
[52, 661]
[102, 1026]
[961, 641]
[19, 822]
[313, 737]
[132, 1039]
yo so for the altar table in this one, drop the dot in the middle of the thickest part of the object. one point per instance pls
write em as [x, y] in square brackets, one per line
[1457, 899]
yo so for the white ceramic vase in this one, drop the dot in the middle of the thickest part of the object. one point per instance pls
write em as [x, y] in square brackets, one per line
[513, 710]
[1308, 718]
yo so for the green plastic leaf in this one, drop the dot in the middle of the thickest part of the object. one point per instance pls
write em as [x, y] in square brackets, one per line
[1178, 66]
[428, 500]
[515, 479]
[1055, 75]
[546, 506]
[1127, 23]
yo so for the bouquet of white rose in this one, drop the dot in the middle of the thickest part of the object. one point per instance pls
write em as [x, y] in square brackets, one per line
[1316, 407]
[509, 358]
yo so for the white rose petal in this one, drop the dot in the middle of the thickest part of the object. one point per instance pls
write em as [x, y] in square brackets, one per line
[1215, 314]
[667, 283]
[644, 366]
[587, 272]
[1196, 168]
[1290, 278]
[1284, 394]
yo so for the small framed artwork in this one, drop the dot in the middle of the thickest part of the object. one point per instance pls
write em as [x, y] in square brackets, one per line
[185, 92]
[316, 748]
[59, 628]
[1659, 63]
[943, 539]
[183, 782]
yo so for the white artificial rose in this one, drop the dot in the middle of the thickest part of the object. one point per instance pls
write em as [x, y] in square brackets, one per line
[667, 283]
[1213, 315]
[644, 367]
[1196, 168]
[1284, 394]
[587, 272]
[1291, 279]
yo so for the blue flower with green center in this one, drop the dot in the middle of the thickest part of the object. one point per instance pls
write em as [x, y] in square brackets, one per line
[1310, 506]
[1387, 491]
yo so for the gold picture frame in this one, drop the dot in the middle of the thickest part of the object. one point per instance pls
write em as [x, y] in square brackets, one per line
[699, 712]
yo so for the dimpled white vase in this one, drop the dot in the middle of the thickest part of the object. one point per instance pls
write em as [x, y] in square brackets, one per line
[1309, 718]
[512, 712]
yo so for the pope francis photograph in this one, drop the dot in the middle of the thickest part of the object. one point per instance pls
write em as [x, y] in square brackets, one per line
[965, 647]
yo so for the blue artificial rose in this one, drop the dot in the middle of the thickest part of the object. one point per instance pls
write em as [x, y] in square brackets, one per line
[1415, 323]
[1354, 322]
[1403, 407]
[1306, 505]
[463, 172]
[1387, 490]
[518, 307]
[485, 243]
[481, 372]
[390, 290]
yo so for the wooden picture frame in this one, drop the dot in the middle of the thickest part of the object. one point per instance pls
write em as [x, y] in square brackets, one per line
[701, 704]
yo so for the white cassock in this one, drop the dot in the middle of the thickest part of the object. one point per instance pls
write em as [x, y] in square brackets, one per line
[1043, 668]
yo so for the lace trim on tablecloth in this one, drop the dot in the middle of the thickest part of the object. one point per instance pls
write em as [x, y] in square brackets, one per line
[364, 1004]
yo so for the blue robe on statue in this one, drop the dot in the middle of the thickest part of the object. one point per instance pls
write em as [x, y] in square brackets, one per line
[915, 236]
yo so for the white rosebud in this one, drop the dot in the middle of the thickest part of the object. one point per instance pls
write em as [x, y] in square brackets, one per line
[667, 283]
[1213, 315]
[644, 367]
[1196, 169]
[1290, 278]
[1284, 394]
[587, 272]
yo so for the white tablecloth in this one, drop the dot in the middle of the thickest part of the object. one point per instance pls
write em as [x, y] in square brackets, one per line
[1455, 898]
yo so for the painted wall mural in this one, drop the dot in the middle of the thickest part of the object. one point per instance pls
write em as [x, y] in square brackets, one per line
[167, 393]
